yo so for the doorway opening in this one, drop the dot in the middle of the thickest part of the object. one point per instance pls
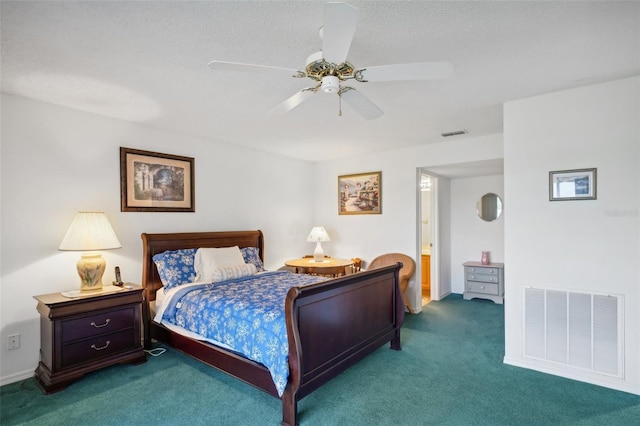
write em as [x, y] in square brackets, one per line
[425, 237]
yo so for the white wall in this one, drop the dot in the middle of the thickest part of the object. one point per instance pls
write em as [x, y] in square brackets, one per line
[574, 245]
[57, 161]
[396, 229]
[471, 235]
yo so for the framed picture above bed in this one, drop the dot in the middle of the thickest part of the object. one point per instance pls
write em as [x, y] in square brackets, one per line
[155, 182]
[578, 184]
[360, 193]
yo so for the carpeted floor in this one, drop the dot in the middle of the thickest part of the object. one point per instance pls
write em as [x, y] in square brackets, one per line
[450, 372]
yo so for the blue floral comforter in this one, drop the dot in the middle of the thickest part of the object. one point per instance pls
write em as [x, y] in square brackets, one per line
[245, 314]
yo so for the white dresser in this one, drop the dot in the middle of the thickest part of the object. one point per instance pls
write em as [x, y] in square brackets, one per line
[484, 281]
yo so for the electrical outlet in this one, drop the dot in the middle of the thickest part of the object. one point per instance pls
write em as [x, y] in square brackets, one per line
[14, 341]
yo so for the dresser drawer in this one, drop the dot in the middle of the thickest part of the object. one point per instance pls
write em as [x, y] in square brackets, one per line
[482, 277]
[481, 270]
[484, 288]
[96, 324]
[97, 347]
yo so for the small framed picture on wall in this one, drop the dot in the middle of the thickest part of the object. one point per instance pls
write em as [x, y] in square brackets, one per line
[577, 184]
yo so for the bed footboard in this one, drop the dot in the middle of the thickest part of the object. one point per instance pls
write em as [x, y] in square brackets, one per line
[334, 324]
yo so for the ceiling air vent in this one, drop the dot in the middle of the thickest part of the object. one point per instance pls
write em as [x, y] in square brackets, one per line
[455, 133]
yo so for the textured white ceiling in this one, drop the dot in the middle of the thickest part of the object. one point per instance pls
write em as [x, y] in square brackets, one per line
[147, 62]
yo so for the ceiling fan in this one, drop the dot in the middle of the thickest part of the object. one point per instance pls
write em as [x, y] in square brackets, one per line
[329, 68]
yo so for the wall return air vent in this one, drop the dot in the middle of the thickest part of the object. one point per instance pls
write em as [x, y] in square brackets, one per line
[578, 329]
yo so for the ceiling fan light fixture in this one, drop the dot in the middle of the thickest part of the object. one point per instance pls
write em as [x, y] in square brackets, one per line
[330, 84]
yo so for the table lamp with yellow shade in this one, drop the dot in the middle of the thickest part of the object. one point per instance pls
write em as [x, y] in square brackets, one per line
[90, 232]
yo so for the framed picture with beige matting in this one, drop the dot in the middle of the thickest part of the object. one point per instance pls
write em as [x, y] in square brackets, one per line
[156, 182]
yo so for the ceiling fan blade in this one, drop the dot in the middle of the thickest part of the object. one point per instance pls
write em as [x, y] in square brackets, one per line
[399, 72]
[340, 20]
[292, 102]
[367, 109]
[234, 66]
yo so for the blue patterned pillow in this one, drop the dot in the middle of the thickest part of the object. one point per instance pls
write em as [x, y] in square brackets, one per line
[252, 255]
[175, 267]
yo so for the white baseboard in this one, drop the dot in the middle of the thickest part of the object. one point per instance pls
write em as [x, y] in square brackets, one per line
[569, 373]
[16, 377]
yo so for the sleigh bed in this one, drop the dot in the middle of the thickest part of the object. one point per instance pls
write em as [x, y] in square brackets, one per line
[330, 325]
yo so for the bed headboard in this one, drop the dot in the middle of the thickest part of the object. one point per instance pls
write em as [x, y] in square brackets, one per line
[153, 244]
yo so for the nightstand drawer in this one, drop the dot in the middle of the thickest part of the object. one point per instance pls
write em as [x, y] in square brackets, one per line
[98, 347]
[95, 324]
[482, 277]
[484, 288]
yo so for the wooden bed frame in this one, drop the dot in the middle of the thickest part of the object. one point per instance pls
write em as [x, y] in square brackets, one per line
[330, 325]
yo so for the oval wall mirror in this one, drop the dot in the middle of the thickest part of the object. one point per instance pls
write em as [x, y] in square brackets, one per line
[489, 207]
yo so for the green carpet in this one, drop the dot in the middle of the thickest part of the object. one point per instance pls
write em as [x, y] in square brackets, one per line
[450, 372]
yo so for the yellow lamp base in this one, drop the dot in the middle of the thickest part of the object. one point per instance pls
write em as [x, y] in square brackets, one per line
[91, 267]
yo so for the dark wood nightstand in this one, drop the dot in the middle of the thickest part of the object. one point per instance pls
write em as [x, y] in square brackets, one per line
[87, 333]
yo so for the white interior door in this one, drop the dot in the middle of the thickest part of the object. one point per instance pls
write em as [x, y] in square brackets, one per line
[435, 240]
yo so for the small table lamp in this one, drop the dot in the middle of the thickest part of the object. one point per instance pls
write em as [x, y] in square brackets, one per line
[317, 235]
[90, 231]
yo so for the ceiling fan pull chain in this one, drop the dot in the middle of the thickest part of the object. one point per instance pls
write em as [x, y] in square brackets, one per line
[340, 92]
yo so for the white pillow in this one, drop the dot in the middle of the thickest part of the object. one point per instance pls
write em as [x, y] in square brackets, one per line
[233, 272]
[207, 260]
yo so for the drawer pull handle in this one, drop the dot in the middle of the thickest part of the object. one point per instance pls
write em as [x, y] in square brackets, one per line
[482, 287]
[94, 347]
[106, 323]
